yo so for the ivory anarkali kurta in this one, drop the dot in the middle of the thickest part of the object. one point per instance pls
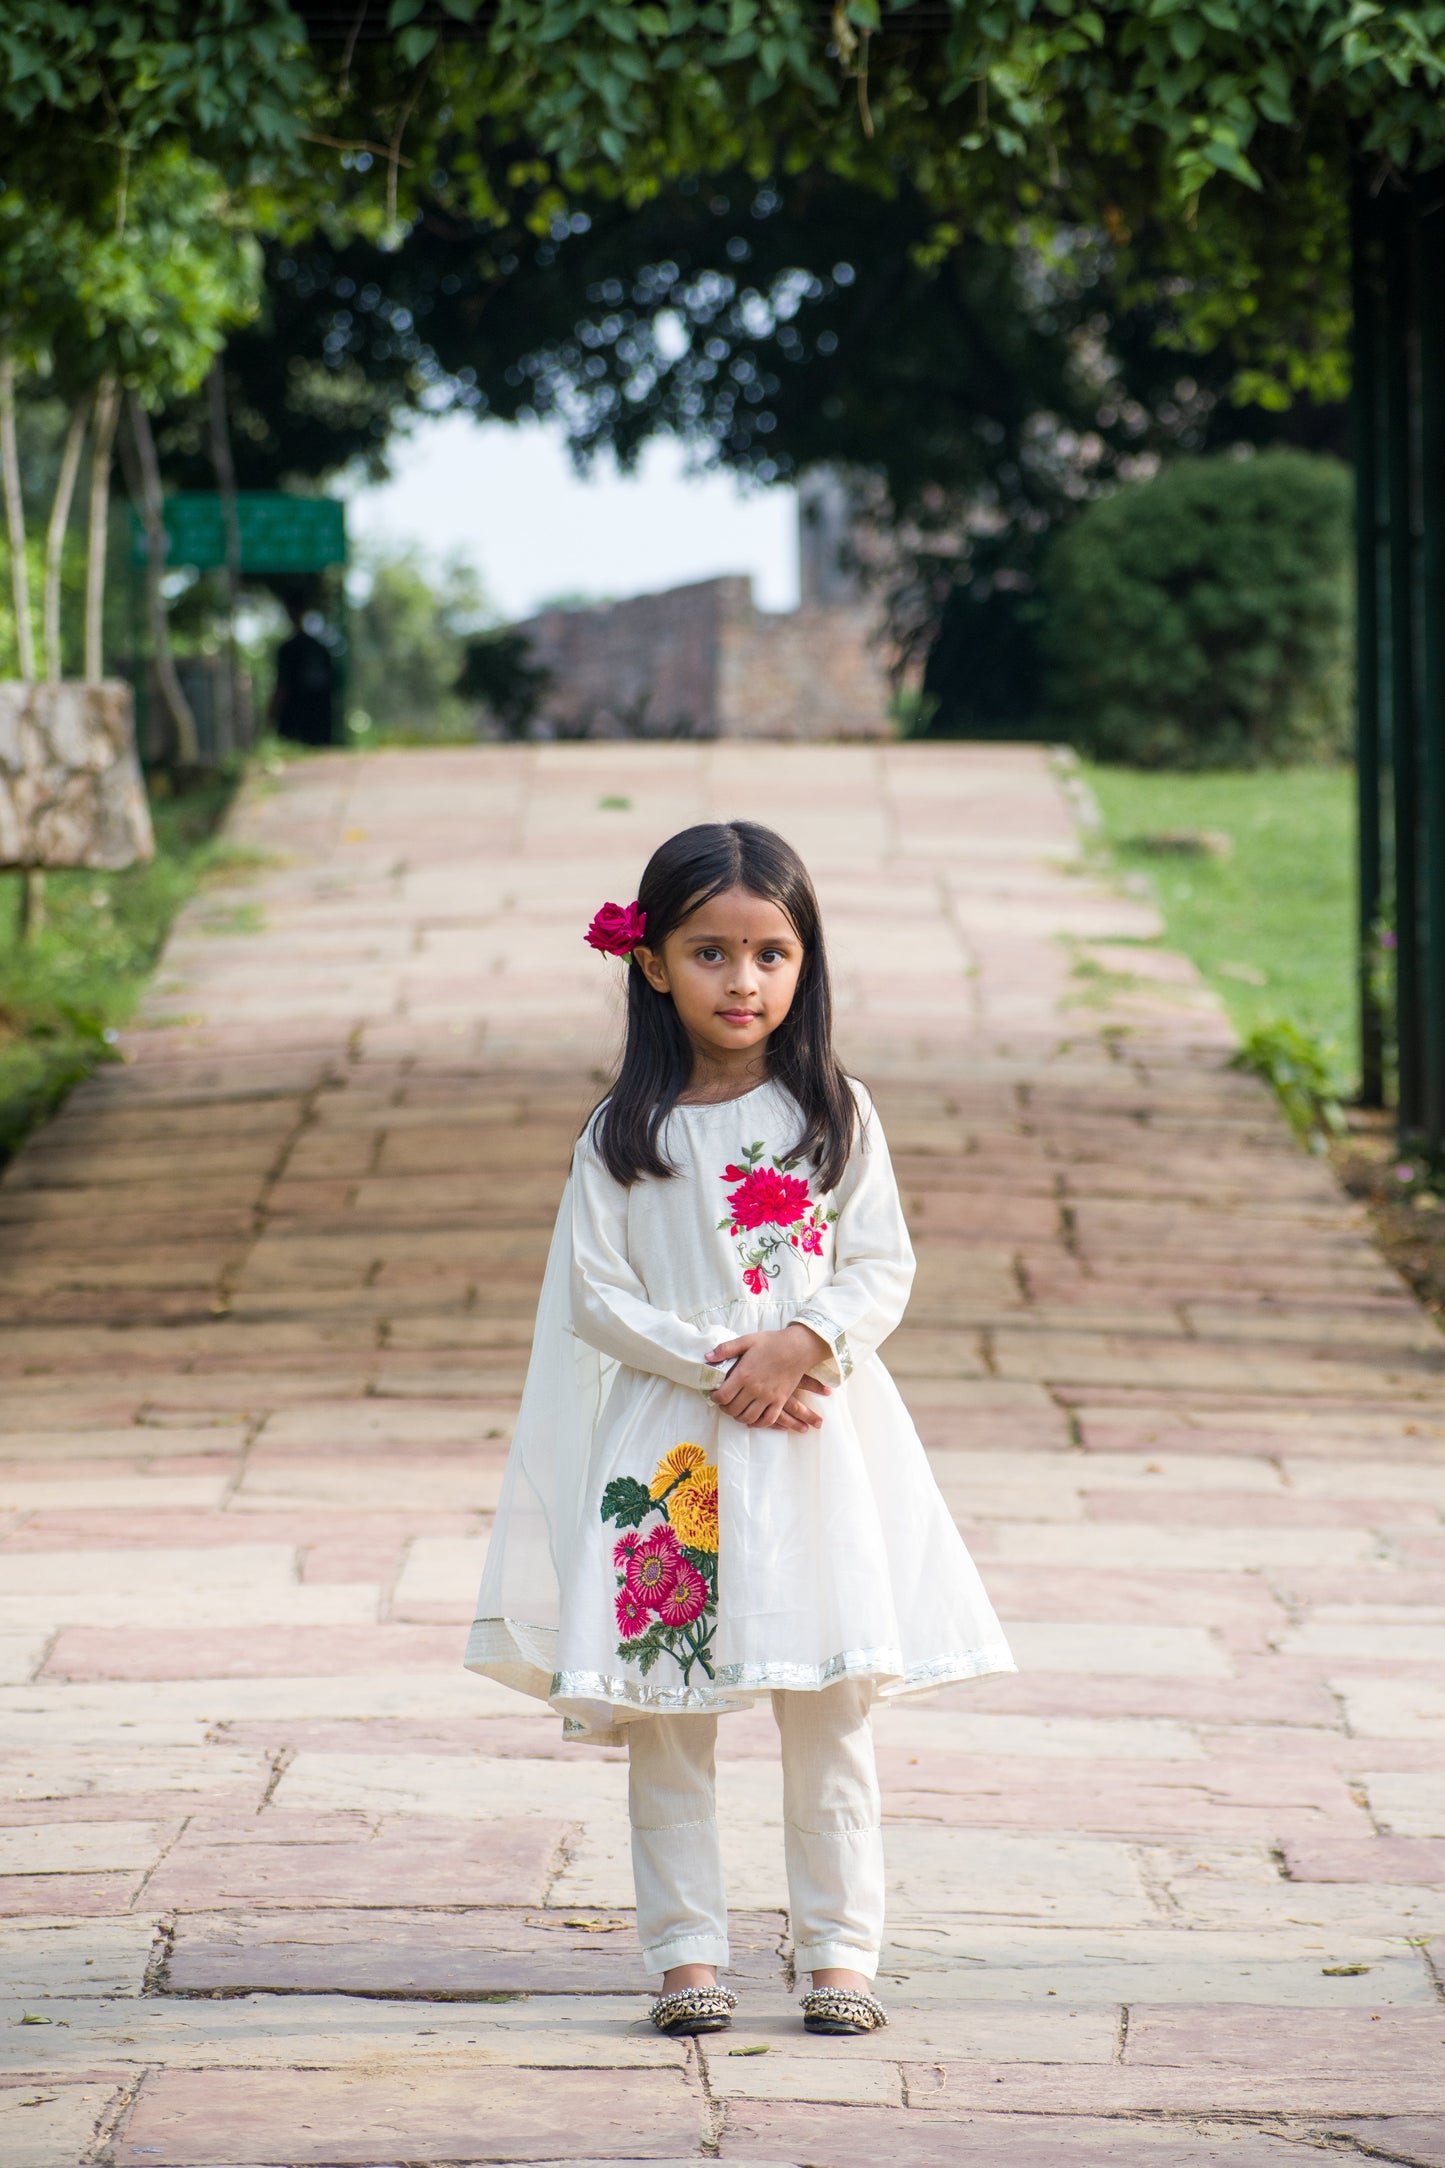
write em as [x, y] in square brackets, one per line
[653, 1556]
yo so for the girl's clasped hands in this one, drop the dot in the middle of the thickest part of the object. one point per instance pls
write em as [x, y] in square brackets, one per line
[769, 1375]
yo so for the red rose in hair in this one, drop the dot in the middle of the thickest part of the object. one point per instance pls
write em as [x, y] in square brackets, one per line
[617, 929]
[768, 1199]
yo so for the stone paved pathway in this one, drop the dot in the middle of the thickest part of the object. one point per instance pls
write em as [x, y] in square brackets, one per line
[284, 1885]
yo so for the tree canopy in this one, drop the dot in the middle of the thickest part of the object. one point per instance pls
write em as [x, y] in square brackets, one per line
[1217, 131]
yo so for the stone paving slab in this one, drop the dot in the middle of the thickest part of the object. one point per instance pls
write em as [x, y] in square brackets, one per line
[293, 1888]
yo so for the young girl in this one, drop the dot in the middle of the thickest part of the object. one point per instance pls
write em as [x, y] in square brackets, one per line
[714, 1491]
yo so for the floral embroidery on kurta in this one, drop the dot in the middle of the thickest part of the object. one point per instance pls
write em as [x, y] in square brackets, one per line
[770, 1212]
[666, 1600]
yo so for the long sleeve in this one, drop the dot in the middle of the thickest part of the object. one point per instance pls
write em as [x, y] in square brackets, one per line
[873, 1267]
[610, 1308]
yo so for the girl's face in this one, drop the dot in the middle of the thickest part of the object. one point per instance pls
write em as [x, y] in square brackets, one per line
[732, 970]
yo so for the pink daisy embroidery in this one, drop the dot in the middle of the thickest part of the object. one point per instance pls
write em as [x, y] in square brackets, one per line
[686, 1599]
[652, 1568]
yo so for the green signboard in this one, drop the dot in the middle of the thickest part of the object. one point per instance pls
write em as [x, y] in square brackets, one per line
[278, 533]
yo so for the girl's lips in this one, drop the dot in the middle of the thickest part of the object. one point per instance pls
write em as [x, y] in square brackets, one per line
[739, 1016]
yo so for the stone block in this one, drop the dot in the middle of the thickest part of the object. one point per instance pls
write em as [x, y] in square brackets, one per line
[42, 1956]
[480, 1951]
[1128, 1650]
[363, 2033]
[70, 785]
[81, 1847]
[1393, 1708]
[993, 1874]
[353, 2119]
[956, 2090]
[1416, 2139]
[448, 1784]
[861, 2137]
[290, 1859]
[52, 2125]
[779, 2075]
[1407, 1802]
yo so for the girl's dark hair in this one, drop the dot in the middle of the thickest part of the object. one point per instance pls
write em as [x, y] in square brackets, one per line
[683, 874]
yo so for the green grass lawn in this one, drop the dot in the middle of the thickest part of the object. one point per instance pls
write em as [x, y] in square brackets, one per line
[62, 991]
[1272, 926]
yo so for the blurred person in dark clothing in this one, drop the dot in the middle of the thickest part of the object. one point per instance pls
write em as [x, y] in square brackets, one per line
[303, 706]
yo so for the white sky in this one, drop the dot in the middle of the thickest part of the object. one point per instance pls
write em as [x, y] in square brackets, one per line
[507, 498]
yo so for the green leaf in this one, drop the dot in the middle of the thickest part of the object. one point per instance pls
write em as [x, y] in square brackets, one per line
[414, 44]
[1186, 35]
[626, 1501]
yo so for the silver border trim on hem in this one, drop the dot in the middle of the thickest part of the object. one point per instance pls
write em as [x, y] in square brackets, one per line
[885, 1665]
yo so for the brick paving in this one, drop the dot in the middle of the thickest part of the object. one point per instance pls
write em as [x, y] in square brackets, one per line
[283, 1885]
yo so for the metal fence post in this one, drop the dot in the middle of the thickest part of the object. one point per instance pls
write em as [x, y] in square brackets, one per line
[1371, 742]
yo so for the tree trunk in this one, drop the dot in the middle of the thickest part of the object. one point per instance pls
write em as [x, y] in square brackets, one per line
[15, 518]
[32, 902]
[188, 747]
[225, 467]
[107, 407]
[55, 536]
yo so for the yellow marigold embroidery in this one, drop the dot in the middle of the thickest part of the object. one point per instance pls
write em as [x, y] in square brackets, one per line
[679, 1462]
[692, 1509]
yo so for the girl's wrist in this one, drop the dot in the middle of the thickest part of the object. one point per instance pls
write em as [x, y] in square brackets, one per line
[817, 1347]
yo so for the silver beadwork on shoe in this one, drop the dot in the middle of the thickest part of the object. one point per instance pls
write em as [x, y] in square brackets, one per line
[842, 2010]
[695, 2010]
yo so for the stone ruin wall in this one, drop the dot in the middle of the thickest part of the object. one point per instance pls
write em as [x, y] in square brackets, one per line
[703, 661]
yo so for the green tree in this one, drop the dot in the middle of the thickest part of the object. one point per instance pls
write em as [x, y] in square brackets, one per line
[1202, 619]
[408, 646]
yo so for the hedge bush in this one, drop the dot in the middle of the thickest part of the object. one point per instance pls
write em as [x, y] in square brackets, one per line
[1203, 619]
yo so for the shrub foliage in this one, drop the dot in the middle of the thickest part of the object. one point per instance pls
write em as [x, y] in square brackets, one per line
[1202, 619]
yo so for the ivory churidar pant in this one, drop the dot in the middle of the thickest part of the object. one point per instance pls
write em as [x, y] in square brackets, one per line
[833, 1841]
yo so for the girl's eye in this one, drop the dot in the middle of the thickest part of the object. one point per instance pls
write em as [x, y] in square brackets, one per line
[709, 955]
[770, 956]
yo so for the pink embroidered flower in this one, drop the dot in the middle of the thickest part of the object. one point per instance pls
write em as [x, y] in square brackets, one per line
[810, 1241]
[617, 929]
[631, 1615]
[733, 1174]
[686, 1599]
[755, 1279]
[766, 1198]
[624, 1547]
[652, 1568]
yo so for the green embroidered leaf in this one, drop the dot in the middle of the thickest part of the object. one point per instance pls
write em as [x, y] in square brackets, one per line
[645, 1649]
[706, 1564]
[626, 1501]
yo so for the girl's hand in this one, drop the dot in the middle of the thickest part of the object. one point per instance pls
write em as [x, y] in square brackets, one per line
[797, 1415]
[769, 1369]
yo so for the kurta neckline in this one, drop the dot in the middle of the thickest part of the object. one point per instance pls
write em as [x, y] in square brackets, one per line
[715, 1106]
